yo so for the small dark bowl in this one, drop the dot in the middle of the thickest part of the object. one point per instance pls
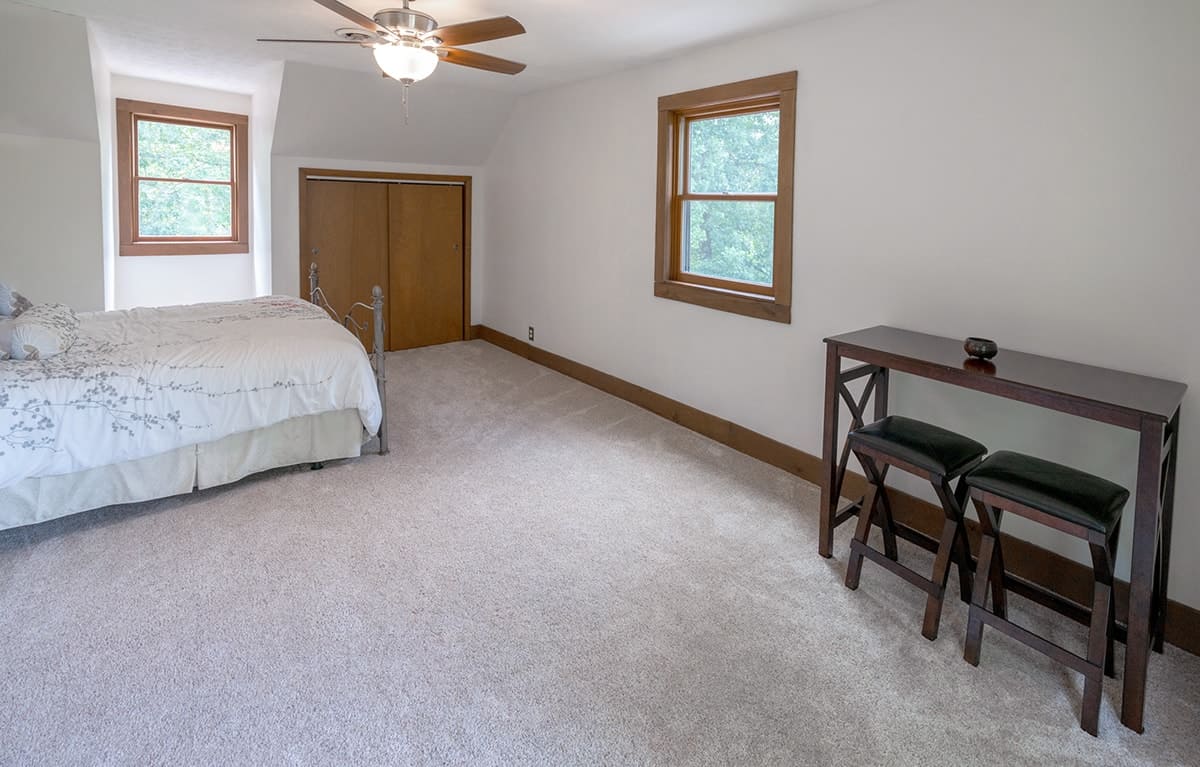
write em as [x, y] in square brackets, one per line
[980, 348]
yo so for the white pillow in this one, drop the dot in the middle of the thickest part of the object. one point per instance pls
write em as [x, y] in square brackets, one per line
[6, 329]
[43, 331]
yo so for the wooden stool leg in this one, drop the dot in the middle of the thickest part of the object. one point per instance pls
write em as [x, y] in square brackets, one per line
[974, 642]
[861, 534]
[999, 595]
[947, 546]
[1110, 664]
[941, 572]
[962, 559]
[962, 546]
[1093, 686]
[887, 522]
[990, 572]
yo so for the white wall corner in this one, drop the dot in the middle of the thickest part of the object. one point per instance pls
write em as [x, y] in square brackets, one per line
[264, 107]
[106, 124]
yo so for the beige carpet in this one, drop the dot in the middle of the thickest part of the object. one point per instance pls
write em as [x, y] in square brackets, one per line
[538, 574]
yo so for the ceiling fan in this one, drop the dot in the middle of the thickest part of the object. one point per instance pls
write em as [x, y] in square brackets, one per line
[408, 44]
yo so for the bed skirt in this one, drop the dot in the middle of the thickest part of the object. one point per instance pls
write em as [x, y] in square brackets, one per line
[323, 437]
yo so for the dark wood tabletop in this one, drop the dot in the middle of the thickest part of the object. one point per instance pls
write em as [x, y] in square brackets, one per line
[1133, 394]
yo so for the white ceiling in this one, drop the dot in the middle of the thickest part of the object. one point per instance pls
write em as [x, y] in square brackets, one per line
[210, 43]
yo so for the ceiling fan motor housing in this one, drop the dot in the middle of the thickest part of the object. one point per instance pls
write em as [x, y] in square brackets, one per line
[405, 19]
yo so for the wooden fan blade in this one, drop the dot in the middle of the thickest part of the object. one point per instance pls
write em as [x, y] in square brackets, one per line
[482, 61]
[287, 40]
[479, 31]
[348, 13]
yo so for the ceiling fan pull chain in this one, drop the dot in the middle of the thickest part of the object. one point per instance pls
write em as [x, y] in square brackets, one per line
[404, 99]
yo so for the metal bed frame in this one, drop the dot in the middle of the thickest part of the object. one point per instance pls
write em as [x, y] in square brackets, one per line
[317, 296]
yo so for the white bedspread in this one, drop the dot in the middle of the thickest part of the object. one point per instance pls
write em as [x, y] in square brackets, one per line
[141, 382]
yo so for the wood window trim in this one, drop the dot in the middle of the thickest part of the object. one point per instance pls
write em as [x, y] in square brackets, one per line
[742, 97]
[128, 112]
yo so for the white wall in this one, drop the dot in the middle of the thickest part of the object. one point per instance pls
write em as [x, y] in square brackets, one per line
[168, 280]
[50, 214]
[325, 112]
[1027, 171]
[285, 217]
[50, 220]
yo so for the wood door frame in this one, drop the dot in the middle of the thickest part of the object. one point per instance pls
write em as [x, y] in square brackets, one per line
[374, 175]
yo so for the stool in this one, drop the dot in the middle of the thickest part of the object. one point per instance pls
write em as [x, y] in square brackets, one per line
[1068, 500]
[936, 455]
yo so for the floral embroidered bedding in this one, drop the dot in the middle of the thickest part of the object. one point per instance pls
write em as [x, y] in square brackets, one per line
[142, 382]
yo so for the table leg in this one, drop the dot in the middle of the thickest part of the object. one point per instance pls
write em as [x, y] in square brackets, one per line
[829, 458]
[881, 394]
[1141, 576]
[1168, 512]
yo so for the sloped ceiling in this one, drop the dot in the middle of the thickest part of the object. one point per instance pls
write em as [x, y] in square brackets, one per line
[28, 69]
[335, 113]
[211, 43]
[333, 102]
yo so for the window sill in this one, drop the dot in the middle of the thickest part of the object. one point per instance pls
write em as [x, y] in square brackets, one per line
[747, 304]
[183, 248]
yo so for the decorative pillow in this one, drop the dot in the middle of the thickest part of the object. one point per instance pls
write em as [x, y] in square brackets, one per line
[21, 304]
[12, 303]
[43, 331]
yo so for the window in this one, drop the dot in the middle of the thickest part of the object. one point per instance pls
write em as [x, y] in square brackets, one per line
[183, 180]
[724, 223]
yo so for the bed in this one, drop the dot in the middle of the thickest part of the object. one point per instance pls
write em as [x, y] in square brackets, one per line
[154, 402]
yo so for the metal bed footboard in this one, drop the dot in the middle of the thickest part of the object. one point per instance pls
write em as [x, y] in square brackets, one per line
[317, 296]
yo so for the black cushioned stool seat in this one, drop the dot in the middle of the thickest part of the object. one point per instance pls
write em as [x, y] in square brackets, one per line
[936, 455]
[1063, 492]
[932, 448]
[1065, 499]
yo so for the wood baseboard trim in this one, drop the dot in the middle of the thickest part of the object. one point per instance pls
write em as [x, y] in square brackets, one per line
[1041, 566]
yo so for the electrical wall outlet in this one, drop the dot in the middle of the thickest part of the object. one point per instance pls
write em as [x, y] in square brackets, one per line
[531, 332]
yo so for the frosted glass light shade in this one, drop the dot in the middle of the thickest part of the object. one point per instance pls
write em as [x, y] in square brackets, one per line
[406, 63]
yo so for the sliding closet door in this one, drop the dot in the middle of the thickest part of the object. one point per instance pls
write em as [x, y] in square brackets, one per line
[346, 232]
[425, 296]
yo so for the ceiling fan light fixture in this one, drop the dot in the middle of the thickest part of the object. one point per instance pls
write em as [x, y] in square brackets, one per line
[405, 62]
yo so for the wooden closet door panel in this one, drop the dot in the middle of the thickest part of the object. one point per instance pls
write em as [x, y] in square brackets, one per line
[347, 222]
[425, 224]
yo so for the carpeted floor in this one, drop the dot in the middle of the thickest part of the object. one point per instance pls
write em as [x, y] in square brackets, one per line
[538, 574]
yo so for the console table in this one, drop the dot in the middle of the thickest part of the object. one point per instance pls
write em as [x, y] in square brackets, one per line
[1149, 406]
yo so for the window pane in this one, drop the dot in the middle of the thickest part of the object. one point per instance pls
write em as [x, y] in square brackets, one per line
[166, 150]
[732, 240]
[180, 209]
[735, 155]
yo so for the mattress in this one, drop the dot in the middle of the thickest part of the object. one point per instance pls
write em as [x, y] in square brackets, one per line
[308, 439]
